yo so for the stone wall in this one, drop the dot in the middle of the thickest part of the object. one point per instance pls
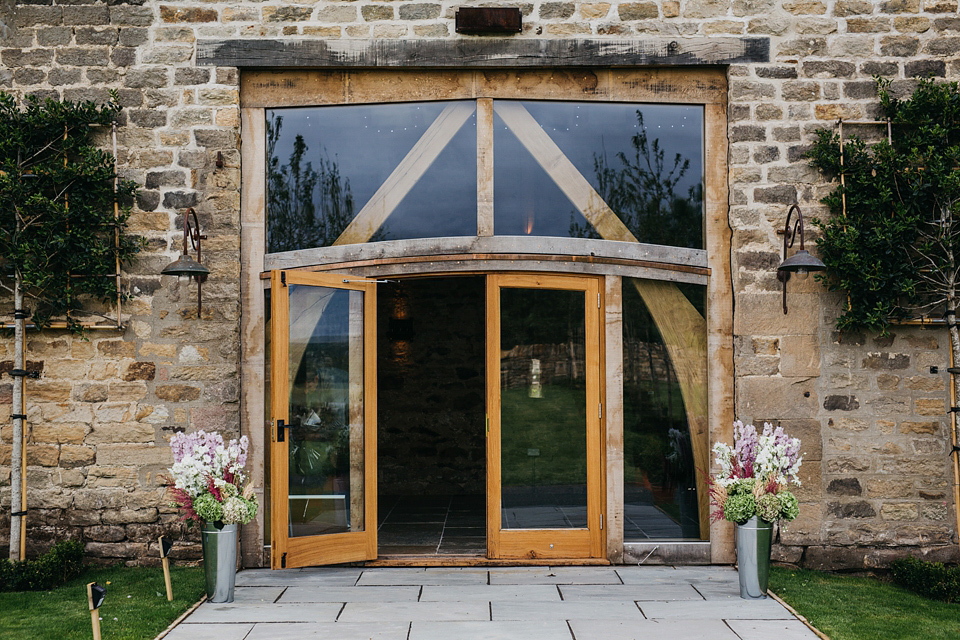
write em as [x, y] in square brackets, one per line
[871, 413]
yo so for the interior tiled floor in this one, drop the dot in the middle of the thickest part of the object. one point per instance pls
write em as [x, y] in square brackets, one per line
[432, 525]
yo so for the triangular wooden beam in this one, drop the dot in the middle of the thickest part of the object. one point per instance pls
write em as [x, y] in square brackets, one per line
[423, 154]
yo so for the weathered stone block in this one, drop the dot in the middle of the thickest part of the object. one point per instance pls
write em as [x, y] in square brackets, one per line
[800, 355]
[845, 487]
[637, 11]
[59, 433]
[924, 68]
[188, 14]
[72, 456]
[899, 511]
[133, 455]
[846, 464]
[857, 509]
[909, 426]
[177, 392]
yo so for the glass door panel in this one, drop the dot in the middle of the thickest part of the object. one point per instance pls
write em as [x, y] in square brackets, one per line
[323, 413]
[543, 422]
[544, 468]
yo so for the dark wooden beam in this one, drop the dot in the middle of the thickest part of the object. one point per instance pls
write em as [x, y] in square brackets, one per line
[481, 52]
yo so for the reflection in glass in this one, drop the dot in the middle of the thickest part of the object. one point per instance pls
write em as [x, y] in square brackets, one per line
[543, 409]
[325, 163]
[645, 161]
[326, 411]
[660, 489]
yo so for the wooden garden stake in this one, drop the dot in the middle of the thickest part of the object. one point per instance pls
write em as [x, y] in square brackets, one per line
[165, 546]
[95, 595]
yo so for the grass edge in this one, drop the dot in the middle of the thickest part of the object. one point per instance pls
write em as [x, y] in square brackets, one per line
[799, 617]
[183, 615]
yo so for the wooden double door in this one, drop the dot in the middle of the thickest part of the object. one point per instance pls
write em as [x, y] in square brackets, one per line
[544, 495]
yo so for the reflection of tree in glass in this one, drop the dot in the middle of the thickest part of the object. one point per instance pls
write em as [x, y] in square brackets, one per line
[642, 192]
[307, 206]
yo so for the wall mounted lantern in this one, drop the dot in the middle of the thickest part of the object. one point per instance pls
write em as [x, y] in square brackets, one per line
[185, 266]
[801, 263]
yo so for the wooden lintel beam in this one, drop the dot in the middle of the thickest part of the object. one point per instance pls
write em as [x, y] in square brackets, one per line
[481, 52]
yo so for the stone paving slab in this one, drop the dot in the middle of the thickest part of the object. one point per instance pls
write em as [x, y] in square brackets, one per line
[496, 603]
[350, 594]
[556, 575]
[209, 632]
[655, 630]
[391, 577]
[768, 609]
[491, 592]
[331, 631]
[545, 630]
[414, 611]
[771, 629]
[257, 594]
[345, 577]
[583, 610]
[629, 592]
[696, 575]
[257, 612]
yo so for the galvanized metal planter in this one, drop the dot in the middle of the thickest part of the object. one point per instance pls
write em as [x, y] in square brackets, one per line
[220, 560]
[754, 538]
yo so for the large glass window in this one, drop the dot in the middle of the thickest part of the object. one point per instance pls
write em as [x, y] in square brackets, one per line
[387, 171]
[664, 398]
[554, 160]
[351, 174]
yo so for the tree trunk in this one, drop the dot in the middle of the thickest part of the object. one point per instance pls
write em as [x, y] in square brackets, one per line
[16, 459]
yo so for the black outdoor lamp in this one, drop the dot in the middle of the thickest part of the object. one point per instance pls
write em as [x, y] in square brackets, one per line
[185, 265]
[95, 596]
[801, 263]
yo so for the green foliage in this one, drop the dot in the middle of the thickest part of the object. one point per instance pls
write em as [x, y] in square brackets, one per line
[57, 192]
[893, 252]
[789, 505]
[61, 563]
[740, 507]
[932, 580]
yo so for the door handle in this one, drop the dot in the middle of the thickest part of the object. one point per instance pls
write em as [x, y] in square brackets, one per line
[281, 434]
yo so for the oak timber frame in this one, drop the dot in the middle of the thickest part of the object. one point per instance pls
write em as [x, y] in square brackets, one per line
[614, 258]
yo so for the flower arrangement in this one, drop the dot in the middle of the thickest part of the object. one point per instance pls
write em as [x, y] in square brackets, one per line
[754, 475]
[208, 477]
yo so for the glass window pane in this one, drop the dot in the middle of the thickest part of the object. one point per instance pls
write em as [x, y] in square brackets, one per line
[326, 465]
[543, 420]
[645, 161]
[324, 164]
[660, 482]
[526, 201]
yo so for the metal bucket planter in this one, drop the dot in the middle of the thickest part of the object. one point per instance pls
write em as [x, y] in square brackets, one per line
[220, 560]
[754, 538]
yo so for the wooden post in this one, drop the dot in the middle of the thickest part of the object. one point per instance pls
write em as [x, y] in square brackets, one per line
[94, 613]
[164, 550]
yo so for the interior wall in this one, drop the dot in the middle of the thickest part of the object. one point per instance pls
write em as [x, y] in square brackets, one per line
[431, 410]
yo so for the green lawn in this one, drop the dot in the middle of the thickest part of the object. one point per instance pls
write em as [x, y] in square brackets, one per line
[553, 427]
[848, 608]
[136, 605]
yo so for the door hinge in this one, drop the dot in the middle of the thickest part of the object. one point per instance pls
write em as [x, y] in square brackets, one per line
[283, 561]
[281, 435]
[601, 521]
[283, 278]
[488, 425]
[600, 411]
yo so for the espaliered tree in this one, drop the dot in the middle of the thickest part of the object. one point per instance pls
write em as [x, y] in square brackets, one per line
[894, 249]
[62, 233]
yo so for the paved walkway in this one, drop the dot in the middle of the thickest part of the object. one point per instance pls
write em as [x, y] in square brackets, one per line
[495, 603]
